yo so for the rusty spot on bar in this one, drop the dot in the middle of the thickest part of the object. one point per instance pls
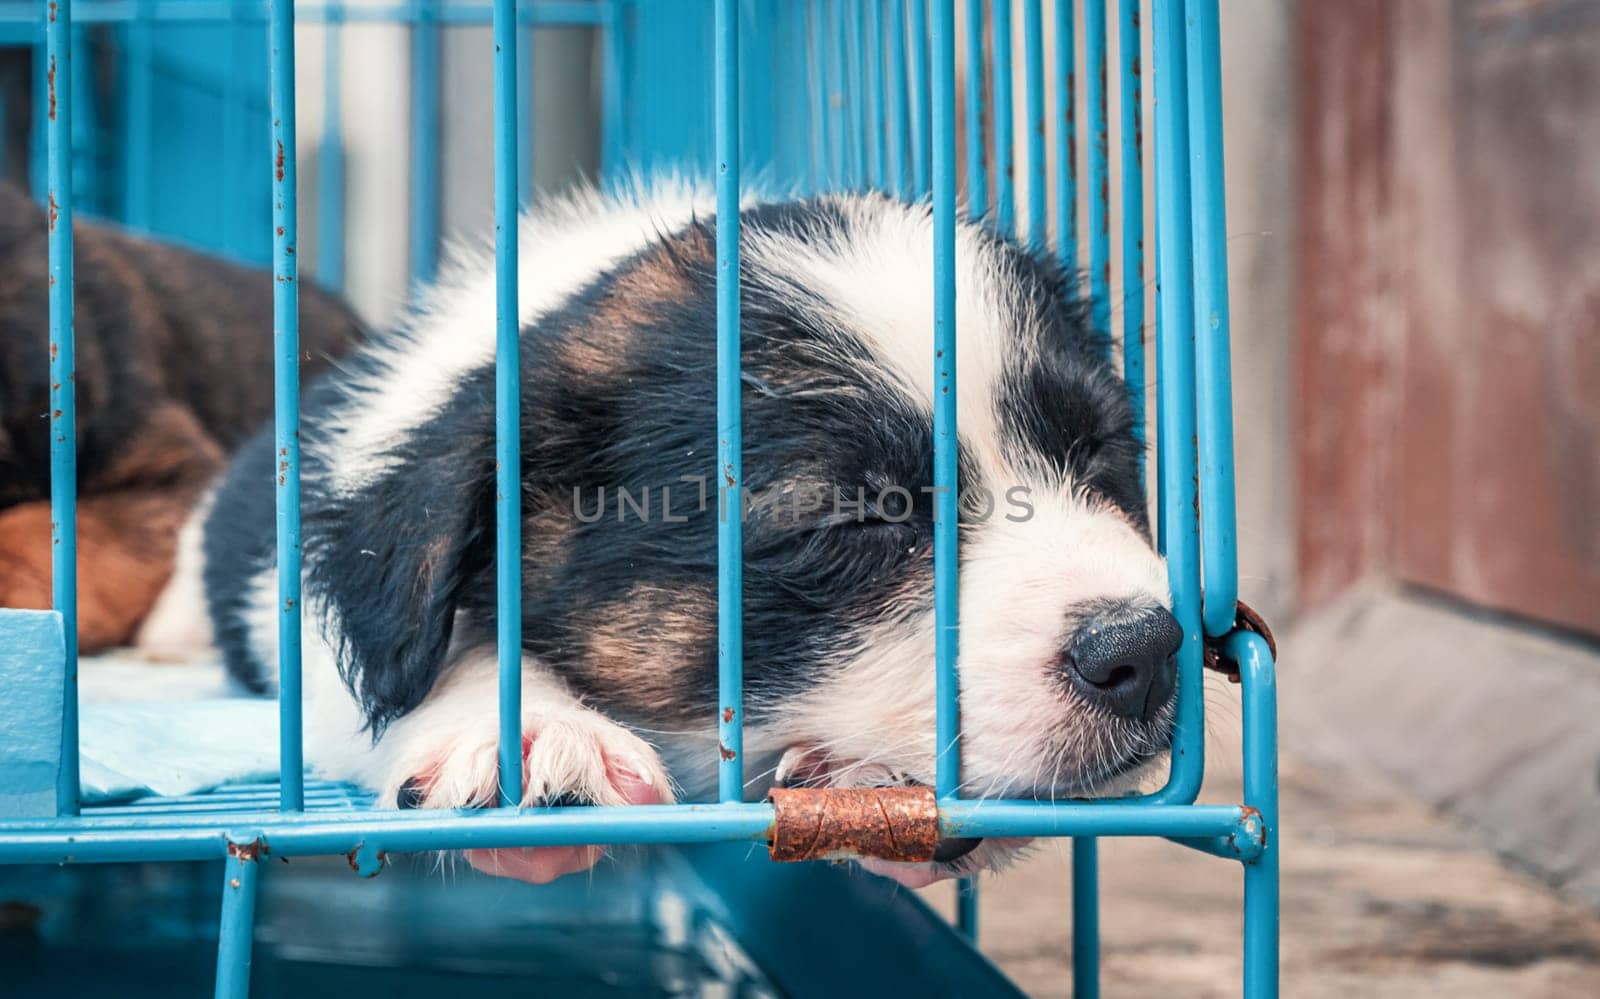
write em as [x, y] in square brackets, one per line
[727, 714]
[245, 851]
[280, 161]
[889, 823]
[55, 209]
[52, 13]
[727, 753]
[50, 78]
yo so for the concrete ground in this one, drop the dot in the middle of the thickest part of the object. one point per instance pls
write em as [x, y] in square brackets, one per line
[1382, 897]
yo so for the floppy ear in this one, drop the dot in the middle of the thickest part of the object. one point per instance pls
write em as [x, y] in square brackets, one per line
[391, 560]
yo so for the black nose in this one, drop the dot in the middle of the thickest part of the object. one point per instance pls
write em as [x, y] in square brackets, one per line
[1125, 661]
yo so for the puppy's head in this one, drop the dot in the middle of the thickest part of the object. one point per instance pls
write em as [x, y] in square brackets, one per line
[1066, 644]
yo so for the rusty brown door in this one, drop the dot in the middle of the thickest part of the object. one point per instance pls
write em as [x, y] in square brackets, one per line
[1449, 300]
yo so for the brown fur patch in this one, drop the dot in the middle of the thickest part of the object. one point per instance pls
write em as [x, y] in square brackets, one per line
[127, 543]
[547, 538]
[642, 640]
[663, 275]
[128, 521]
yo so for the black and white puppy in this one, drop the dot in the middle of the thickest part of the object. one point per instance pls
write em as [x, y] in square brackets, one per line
[1066, 654]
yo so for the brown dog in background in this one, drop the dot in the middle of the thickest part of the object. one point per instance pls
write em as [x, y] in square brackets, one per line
[174, 370]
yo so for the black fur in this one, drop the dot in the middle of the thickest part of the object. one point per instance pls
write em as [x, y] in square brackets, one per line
[410, 558]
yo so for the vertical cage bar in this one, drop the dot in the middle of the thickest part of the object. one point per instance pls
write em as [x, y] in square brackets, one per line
[286, 383]
[1131, 129]
[1219, 546]
[817, 86]
[921, 139]
[137, 132]
[611, 83]
[1033, 73]
[507, 405]
[730, 464]
[63, 396]
[1258, 678]
[1094, 59]
[873, 53]
[946, 592]
[1085, 913]
[1176, 424]
[832, 80]
[730, 542]
[330, 155]
[856, 122]
[1002, 113]
[977, 167]
[236, 929]
[1066, 140]
[424, 142]
[899, 175]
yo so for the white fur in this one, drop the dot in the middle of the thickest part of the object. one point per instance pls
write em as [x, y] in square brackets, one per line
[562, 246]
[876, 710]
[178, 625]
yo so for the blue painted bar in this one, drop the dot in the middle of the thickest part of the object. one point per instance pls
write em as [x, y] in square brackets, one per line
[554, 13]
[236, 930]
[613, 124]
[1034, 121]
[1119, 817]
[855, 105]
[1085, 911]
[63, 396]
[832, 89]
[1258, 678]
[900, 181]
[872, 34]
[1094, 60]
[507, 405]
[1003, 114]
[176, 836]
[817, 87]
[1219, 541]
[730, 444]
[946, 589]
[1066, 142]
[1131, 133]
[286, 383]
[1176, 429]
[330, 156]
[921, 137]
[967, 909]
[424, 143]
[977, 165]
[137, 132]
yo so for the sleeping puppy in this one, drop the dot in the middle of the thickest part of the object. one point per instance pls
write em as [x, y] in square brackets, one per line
[1067, 648]
[171, 351]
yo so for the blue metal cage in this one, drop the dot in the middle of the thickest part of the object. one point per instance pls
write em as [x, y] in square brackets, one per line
[811, 95]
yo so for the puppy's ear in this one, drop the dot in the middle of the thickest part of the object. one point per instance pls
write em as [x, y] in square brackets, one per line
[391, 559]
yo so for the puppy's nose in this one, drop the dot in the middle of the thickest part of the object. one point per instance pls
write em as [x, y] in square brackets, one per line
[1126, 662]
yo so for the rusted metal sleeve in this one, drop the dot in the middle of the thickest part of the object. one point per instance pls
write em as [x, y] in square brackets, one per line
[889, 823]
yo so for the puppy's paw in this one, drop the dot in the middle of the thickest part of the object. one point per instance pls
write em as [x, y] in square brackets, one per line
[569, 757]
